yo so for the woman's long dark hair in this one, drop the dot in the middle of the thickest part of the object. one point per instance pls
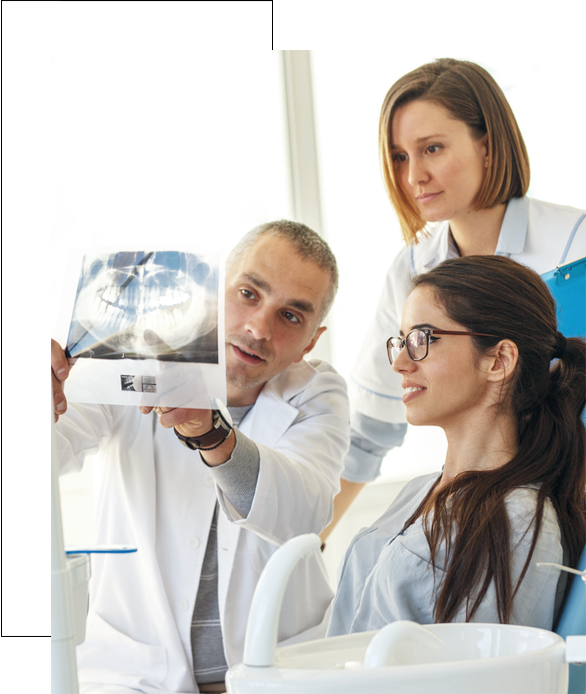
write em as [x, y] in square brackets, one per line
[496, 295]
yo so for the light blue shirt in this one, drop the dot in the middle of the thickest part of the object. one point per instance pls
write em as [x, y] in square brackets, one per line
[387, 576]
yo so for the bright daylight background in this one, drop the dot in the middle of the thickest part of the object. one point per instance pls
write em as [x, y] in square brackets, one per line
[187, 147]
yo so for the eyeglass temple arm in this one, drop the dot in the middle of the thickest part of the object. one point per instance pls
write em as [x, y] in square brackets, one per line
[434, 331]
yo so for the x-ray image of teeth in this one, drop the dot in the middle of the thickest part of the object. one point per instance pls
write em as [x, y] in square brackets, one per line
[145, 305]
[147, 328]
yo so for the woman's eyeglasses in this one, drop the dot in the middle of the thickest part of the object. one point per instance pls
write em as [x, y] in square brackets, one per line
[417, 342]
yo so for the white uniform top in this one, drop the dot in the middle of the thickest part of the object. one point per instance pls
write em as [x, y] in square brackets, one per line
[138, 629]
[387, 575]
[535, 233]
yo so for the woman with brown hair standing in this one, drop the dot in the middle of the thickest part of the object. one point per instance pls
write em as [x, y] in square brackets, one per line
[474, 354]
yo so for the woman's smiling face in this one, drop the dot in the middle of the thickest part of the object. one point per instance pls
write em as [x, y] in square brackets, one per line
[438, 164]
[449, 388]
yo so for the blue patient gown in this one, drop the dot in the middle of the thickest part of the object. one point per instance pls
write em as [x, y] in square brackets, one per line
[386, 574]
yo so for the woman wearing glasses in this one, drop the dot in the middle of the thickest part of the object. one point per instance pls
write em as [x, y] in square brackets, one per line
[474, 356]
[452, 153]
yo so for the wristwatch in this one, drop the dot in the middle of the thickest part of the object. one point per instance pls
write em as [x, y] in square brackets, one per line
[222, 425]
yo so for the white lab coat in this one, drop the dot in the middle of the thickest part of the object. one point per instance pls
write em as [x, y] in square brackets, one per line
[538, 234]
[138, 631]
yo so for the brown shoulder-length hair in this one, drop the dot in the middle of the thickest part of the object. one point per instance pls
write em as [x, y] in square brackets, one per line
[470, 94]
[496, 295]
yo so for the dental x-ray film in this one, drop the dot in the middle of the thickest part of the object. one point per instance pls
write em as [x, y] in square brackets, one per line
[148, 329]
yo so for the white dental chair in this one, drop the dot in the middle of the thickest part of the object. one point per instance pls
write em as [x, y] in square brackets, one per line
[403, 656]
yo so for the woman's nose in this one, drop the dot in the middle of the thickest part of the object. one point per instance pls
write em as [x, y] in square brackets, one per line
[403, 362]
[418, 173]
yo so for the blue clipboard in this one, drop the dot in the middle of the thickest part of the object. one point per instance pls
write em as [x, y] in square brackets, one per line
[567, 283]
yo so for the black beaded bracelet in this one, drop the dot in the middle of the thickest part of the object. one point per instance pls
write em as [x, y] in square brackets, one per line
[211, 448]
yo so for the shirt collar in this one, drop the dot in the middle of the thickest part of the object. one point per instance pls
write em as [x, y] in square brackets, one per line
[514, 227]
[431, 250]
[441, 245]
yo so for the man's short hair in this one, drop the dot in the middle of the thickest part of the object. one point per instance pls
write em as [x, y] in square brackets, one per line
[306, 243]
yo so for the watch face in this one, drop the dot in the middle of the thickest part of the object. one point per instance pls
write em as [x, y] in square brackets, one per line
[222, 411]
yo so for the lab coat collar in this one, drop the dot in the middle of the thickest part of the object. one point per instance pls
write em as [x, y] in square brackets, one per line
[431, 251]
[272, 414]
[292, 380]
[514, 229]
[440, 246]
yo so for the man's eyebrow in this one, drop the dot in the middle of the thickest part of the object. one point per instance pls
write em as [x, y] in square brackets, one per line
[304, 306]
[263, 285]
[419, 140]
[258, 282]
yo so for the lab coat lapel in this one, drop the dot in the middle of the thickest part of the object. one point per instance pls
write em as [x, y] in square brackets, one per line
[132, 476]
[514, 228]
[141, 496]
[272, 416]
[426, 256]
[265, 423]
[141, 490]
[511, 240]
[272, 413]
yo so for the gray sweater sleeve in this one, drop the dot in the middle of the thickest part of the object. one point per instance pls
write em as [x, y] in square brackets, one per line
[237, 477]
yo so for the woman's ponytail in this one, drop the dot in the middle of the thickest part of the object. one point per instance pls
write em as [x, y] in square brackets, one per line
[568, 375]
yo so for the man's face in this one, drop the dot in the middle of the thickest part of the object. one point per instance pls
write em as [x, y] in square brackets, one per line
[274, 300]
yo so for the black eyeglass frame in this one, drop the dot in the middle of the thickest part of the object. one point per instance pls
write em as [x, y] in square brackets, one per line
[429, 333]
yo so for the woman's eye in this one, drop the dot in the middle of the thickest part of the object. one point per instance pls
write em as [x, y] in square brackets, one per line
[432, 149]
[399, 158]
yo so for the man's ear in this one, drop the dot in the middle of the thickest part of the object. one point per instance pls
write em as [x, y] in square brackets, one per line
[311, 344]
[503, 360]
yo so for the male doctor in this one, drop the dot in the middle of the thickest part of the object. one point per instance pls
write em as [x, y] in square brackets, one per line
[208, 496]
